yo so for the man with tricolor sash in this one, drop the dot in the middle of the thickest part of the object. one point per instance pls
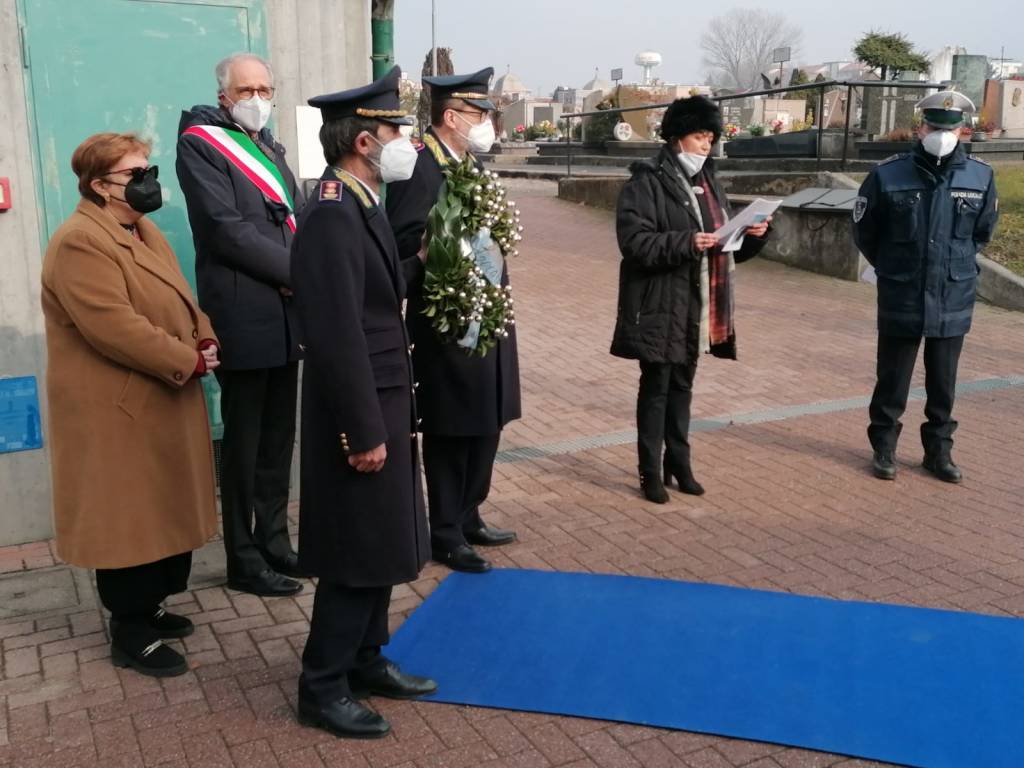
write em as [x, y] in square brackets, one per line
[242, 202]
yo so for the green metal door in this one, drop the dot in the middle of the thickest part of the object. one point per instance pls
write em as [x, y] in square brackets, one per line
[126, 65]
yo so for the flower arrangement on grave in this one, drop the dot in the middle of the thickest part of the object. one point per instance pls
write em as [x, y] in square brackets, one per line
[777, 125]
[470, 230]
[729, 131]
[545, 129]
[519, 134]
[755, 129]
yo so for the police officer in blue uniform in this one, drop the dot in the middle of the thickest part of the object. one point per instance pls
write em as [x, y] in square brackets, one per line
[464, 400]
[362, 523]
[920, 220]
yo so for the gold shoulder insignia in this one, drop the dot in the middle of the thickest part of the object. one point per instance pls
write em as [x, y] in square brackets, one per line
[355, 188]
[435, 150]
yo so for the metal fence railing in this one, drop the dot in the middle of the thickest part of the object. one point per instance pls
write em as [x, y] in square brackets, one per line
[851, 87]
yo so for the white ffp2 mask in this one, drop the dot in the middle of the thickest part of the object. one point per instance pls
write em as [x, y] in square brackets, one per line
[397, 159]
[252, 113]
[940, 143]
[481, 135]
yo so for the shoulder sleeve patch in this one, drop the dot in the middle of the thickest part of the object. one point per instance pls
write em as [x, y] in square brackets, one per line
[330, 191]
[860, 207]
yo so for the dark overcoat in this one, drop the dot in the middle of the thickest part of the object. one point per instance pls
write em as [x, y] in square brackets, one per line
[921, 224]
[460, 394]
[356, 529]
[242, 244]
[659, 306]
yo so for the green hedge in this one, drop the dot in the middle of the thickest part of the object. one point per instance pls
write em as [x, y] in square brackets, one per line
[1008, 245]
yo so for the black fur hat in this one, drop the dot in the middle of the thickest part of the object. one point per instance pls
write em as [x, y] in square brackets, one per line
[689, 115]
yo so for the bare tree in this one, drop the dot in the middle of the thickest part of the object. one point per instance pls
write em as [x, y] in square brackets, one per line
[738, 45]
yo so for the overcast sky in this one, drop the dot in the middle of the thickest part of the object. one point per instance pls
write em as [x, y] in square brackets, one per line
[555, 42]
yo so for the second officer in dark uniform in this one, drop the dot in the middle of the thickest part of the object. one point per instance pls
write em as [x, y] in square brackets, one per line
[464, 400]
[362, 526]
[920, 220]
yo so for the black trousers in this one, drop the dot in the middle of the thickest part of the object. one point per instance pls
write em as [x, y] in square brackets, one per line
[896, 358]
[258, 409]
[458, 473]
[133, 594]
[348, 628]
[663, 415]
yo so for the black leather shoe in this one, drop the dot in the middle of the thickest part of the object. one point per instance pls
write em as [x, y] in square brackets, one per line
[883, 465]
[267, 584]
[653, 488]
[684, 479]
[170, 625]
[289, 567]
[943, 468]
[390, 682]
[137, 647]
[486, 536]
[344, 717]
[462, 558]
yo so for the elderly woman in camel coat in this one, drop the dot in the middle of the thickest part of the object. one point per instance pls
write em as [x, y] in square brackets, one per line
[132, 462]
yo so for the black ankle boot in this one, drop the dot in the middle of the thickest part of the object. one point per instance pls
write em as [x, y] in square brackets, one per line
[684, 478]
[136, 645]
[171, 625]
[653, 488]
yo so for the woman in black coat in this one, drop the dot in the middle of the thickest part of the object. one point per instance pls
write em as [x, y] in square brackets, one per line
[675, 286]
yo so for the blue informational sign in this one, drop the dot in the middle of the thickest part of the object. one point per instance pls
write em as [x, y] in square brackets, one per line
[20, 425]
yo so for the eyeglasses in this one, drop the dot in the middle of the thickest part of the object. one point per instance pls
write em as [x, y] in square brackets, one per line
[480, 115]
[248, 92]
[138, 171]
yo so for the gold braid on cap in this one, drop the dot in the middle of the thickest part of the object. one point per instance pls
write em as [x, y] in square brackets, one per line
[381, 112]
[467, 95]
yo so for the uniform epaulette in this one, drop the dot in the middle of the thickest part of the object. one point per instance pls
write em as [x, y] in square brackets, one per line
[890, 158]
[355, 188]
[330, 191]
[435, 149]
[977, 159]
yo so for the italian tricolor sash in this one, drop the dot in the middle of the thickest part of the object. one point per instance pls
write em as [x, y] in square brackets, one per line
[242, 152]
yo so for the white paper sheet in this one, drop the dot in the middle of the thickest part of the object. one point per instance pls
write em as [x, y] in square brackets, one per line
[731, 233]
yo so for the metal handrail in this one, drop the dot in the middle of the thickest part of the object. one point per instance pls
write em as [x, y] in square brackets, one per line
[821, 87]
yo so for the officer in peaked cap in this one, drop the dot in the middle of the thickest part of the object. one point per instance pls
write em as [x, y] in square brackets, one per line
[465, 401]
[362, 524]
[920, 220]
[471, 89]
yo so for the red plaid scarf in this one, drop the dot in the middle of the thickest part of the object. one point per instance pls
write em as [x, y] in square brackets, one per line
[719, 298]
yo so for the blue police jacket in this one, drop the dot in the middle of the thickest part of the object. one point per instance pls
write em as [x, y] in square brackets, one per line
[921, 223]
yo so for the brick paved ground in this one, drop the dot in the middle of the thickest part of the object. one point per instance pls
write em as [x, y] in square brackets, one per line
[790, 506]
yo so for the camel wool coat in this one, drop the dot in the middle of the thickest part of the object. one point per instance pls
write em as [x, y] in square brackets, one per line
[131, 457]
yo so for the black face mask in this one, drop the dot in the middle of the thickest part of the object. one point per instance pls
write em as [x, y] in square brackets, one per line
[143, 192]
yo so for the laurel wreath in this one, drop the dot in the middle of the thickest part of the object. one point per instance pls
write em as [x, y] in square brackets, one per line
[456, 293]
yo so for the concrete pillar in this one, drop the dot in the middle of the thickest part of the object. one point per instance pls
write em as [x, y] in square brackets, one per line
[25, 510]
[316, 47]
